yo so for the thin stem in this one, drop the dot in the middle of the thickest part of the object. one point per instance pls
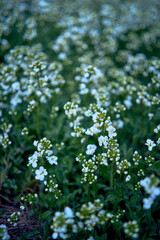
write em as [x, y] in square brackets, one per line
[5, 198]
[112, 175]
[148, 220]
[122, 190]
[88, 191]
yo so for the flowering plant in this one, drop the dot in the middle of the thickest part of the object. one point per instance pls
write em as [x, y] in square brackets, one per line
[79, 119]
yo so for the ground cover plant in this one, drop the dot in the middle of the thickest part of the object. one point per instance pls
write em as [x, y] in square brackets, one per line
[79, 119]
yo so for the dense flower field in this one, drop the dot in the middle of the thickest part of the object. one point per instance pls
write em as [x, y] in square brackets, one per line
[79, 119]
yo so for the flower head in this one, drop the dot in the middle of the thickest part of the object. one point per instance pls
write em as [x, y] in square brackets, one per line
[41, 173]
[150, 144]
[91, 148]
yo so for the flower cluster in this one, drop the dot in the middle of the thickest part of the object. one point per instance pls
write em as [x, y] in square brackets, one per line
[14, 218]
[3, 232]
[25, 131]
[131, 229]
[67, 223]
[52, 187]
[30, 198]
[71, 109]
[150, 185]
[136, 158]
[42, 154]
[103, 129]
[62, 222]
[4, 137]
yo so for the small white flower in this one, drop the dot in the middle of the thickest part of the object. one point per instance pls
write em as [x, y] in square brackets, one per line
[88, 113]
[147, 203]
[150, 144]
[90, 238]
[120, 123]
[103, 140]
[83, 89]
[22, 207]
[150, 115]
[157, 129]
[52, 160]
[68, 212]
[89, 132]
[128, 103]
[158, 141]
[16, 86]
[40, 173]
[63, 236]
[91, 148]
[145, 182]
[154, 192]
[55, 235]
[35, 143]
[33, 160]
[49, 152]
[62, 56]
[111, 131]
[128, 178]
[93, 130]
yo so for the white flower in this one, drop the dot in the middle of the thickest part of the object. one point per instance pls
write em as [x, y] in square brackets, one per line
[158, 141]
[15, 100]
[90, 238]
[63, 236]
[33, 160]
[83, 89]
[39, 147]
[49, 152]
[120, 123]
[128, 103]
[35, 143]
[93, 130]
[88, 113]
[16, 86]
[154, 192]
[89, 132]
[91, 148]
[3, 232]
[103, 140]
[111, 131]
[150, 144]
[62, 56]
[40, 173]
[147, 203]
[104, 159]
[68, 212]
[128, 178]
[145, 182]
[157, 129]
[55, 235]
[52, 160]
[150, 115]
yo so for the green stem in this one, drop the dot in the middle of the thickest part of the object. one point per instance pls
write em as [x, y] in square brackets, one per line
[148, 220]
[104, 232]
[122, 190]
[88, 192]
[112, 175]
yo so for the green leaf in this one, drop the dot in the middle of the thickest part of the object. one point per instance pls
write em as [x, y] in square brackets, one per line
[45, 215]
